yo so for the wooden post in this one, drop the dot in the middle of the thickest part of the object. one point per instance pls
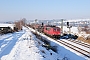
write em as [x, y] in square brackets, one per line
[30, 41]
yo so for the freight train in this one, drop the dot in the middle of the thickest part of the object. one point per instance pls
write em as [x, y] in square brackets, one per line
[50, 30]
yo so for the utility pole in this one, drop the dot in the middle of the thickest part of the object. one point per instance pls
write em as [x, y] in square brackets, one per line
[35, 25]
[62, 26]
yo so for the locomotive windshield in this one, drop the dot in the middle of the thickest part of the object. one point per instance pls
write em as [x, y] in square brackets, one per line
[56, 29]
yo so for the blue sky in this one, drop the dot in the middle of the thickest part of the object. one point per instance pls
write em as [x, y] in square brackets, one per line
[44, 9]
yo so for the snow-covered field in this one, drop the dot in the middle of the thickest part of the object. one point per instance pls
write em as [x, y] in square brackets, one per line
[19, 46]
[8, 41]
[26, 49]
[74, 30]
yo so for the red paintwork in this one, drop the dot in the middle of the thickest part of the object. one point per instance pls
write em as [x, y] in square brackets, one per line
[52, 31]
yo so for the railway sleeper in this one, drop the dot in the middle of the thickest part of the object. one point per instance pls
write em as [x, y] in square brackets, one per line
[74, 49]
[83, 44]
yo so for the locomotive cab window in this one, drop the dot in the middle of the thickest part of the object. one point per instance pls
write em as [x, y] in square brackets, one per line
[56, 29]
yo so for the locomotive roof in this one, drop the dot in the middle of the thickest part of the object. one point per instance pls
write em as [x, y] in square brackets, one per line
[53, 26]
[50, 25]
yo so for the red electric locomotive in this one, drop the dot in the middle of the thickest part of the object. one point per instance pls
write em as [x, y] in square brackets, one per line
[52, 31]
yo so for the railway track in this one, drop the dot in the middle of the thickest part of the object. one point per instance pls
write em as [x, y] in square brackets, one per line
[75, 48]
[80, 43]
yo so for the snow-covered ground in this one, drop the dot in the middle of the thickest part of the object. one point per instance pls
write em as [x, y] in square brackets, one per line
[8, 41]
[64, 51]
[19, 46]
[74, 30]
[26, 49]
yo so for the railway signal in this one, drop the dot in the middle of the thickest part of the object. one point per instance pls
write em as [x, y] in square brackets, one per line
[67, 23]
[68, 26]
